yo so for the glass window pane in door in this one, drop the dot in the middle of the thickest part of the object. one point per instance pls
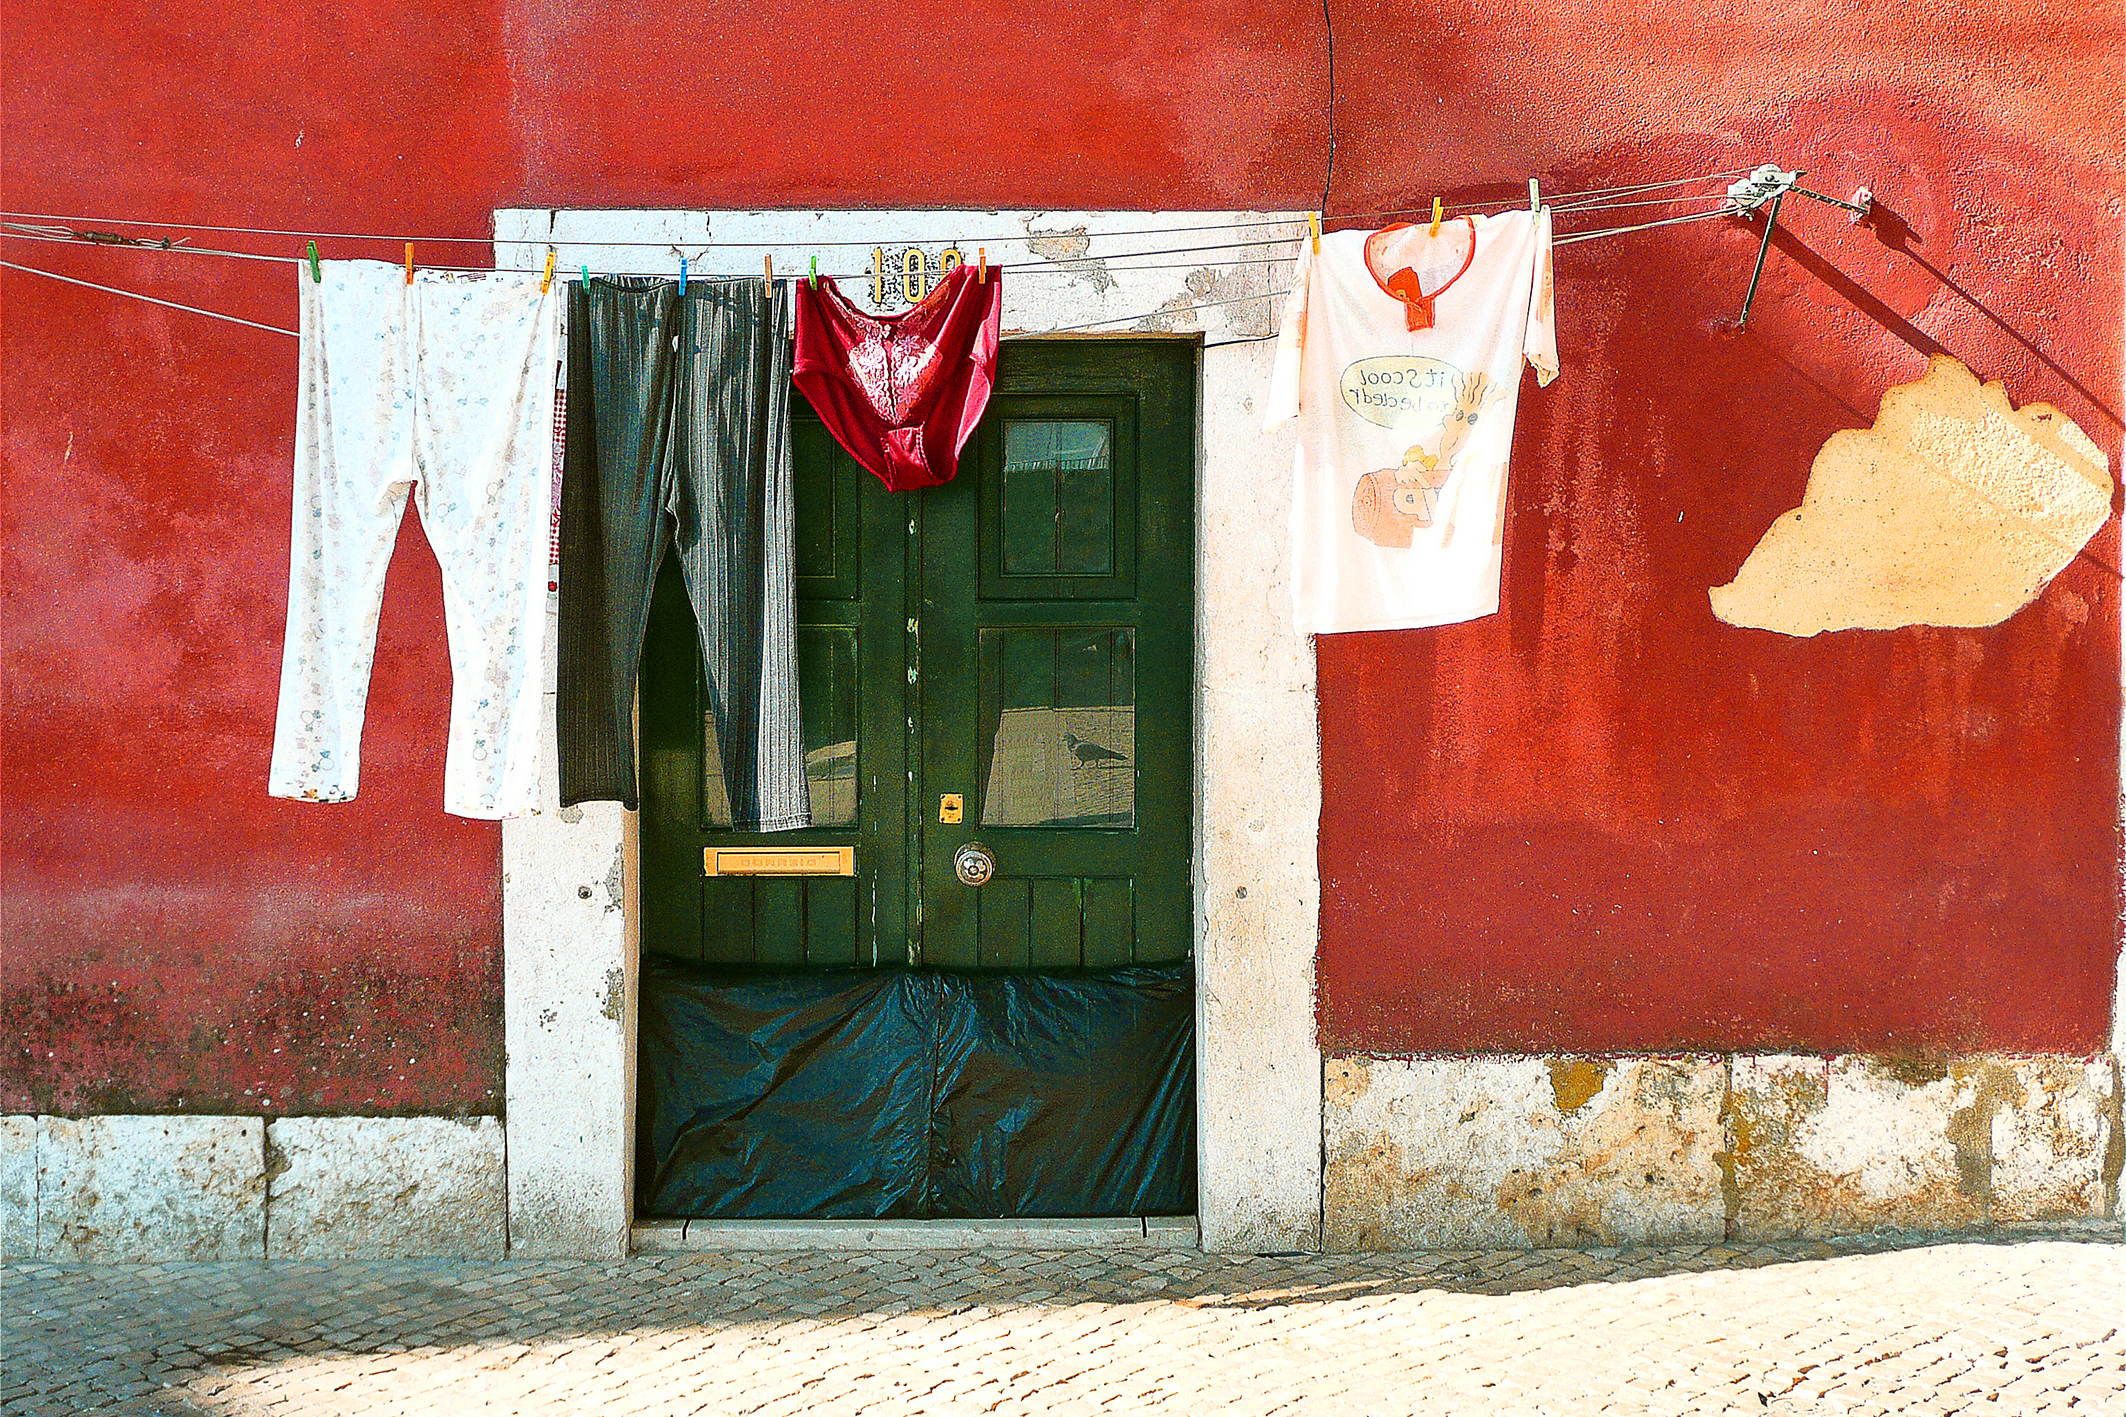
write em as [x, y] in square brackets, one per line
[1061, 716]
[1059, 498]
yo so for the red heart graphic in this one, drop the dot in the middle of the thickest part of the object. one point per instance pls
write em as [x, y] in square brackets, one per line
[1387, 259]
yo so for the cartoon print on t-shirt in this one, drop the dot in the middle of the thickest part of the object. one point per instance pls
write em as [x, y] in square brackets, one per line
[1389, 506]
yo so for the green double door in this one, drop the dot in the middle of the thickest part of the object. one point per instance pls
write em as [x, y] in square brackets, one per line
[996, 682]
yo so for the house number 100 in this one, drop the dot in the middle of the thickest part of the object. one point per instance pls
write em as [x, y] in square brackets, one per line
[905, 277]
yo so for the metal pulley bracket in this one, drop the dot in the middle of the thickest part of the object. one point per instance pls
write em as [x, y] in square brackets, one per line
[1767, 184]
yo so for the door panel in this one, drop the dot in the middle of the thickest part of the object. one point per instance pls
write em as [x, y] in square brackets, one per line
[1022, 638]
[1056, 697]
[851, 550]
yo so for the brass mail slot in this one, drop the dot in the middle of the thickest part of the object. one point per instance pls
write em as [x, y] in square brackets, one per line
[779, 860]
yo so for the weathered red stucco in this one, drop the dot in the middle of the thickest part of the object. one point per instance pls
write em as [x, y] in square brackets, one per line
[1599, 820]
[1603, 820]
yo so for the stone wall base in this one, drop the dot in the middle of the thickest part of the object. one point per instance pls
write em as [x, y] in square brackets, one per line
[1430, 1153]
[1455, 1153]
[106, 1189]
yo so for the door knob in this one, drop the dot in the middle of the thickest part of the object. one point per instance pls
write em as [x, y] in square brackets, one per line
[974, 864]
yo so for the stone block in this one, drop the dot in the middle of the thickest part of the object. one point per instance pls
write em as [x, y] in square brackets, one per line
[362, 1188]
[1842, 1146]
[18, 1187]
[2057, 1125]
[151, 1188]
[1474, 1153]
[1259, 1068]
[568, 964]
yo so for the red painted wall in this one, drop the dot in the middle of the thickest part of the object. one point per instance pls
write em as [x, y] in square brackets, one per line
[1598, 820]
[175, 939]
[1602, 819]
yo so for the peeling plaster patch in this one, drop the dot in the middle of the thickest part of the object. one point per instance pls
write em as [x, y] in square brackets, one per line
[1838, 1146]
[276, 1162]
[151, 1188]
[1068, 249]
[1470, 1153]
[1176, 315]
[2055, 1145]
[18, 1187]
[1575, 1081]
[616, 881]
[1209, 288]
[387, 1188]
[1954, 509]
[614, 995]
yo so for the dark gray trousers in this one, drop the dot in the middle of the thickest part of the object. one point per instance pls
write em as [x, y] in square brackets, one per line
[679, 434]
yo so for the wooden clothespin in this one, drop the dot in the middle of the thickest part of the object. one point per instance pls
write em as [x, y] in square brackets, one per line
[682, 275]
[546, 282]
[1535, 196]
[767, 267]
[409, 263]
[317, 277]
[981, 265]
[1438, 210]
[815, 272]
[1314, 229]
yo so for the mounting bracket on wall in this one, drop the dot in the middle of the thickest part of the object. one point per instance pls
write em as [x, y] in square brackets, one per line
[1769, 185]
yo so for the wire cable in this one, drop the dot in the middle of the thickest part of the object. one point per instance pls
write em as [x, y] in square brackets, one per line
[1075, 266]
[669, 244]
[1588, 199]
[1328, 174]
[1556, 199]
[152, 300]
[1155, 314]
[1726, 209]
[1578, 236]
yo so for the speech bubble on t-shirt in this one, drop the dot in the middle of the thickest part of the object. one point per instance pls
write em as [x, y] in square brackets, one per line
[1400, 391]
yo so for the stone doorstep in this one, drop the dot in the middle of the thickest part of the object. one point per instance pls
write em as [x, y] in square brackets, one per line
[1158, 1232]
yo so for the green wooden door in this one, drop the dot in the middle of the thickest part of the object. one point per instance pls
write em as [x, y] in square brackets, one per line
[1020, 638]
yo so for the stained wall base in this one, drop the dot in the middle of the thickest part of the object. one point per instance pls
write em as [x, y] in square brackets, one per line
[1426, 1153]
[1510, 1152]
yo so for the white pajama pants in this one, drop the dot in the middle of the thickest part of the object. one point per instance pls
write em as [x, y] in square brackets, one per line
[445, 389]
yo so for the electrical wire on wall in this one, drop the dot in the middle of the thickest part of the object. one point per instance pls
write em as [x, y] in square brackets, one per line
[1328, 175]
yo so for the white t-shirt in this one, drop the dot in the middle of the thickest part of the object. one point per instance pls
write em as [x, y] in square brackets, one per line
[1401, 358]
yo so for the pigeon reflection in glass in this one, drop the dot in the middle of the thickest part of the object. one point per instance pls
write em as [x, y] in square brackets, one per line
[1091, 754]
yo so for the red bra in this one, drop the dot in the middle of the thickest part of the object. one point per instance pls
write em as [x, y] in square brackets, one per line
[901, 392]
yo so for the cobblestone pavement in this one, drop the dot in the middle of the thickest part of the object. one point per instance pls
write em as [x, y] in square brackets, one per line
[1989, 1327]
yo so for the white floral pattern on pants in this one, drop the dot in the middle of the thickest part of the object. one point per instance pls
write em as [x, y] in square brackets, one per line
[445, 389]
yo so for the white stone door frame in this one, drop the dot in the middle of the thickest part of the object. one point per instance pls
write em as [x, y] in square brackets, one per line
[570, 923]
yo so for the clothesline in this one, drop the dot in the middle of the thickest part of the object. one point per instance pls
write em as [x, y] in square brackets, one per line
[151, 299]
[1067, 265]
[1587, 198]
[1579, 236]
[1064, 265]
[45, 229]
[279, 330]
[1116, 320]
